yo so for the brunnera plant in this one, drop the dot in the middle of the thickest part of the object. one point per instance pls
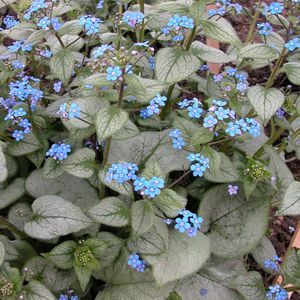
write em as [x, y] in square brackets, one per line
[128, 169]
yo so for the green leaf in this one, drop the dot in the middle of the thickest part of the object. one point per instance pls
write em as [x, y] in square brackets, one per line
[220, 30]
[173, 64]
[250, 286]
[184, 256]
[83, 275]
[52, 169]
[274, 40]
[152, 169]
[258, 51]
[209, 54]
[142, 217]
[62, 255]
[3, 167]
[70, 27]
[150, 243]
[111, 211]
[12, 193]
[2, 253]
[236, 224]
[109, 120]
[265, 250]
[224, 171]
[54, 217]
[265, 101]
[290, 205]
[201, 136]
[98, 79]
[291, 267]
[29, 144]
[37, 291]
[62, 65]
[169, 202]
[81, 163]
[96, 245]
[292, 71]
[127, 131]
[68, 187]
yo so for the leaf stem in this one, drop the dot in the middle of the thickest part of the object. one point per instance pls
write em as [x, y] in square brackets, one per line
[7, 225]
[179, 179]
[166, 109]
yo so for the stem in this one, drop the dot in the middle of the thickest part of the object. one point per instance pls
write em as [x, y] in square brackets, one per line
[166, 109]
[190, 38]
[179, 179]
[220, 141]
[59, 39]
[142, 31]
[87, 122]
[253, 25]
[7, 225]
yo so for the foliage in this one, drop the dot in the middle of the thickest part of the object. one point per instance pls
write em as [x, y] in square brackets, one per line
[128, 170]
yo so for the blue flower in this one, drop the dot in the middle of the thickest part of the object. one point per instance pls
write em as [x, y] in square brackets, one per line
[174, 21]
[74, 111]
[218, 78]
[185, 213]
[203, 292]
[46, 53]
[17, 64]
[276, 292]
[122, 172]
[272, 265]
[242, 86]
[133, 18]
[196, 221]
[56, 24]
[113, 73]
[136, 262]
[101, 50]
[144, 114]
[160, 100]
[193, 157]
[151, 61]
[10, 21]
[280, 113]
[178, 38]
[63, 297]
[182, 224]
[26, 125]
[264, 28]
[219, 102]
[222, 113]
[191, 231]
[59, 151]
[204, 68]
[231, 71]
[18, 135]
[19, 46]
[274, 8]
[153, 187]
[35, 6]
[139, 184]
[178, 143]
[198, 170]
[91, 24]
[186, 22]
[19, 112]
[44, 23]
[176, 133]
[142, 44]
[100, 4]
[210, 121]
[195, 111]
[57, 86]
[233, 129]
[253, 127]
[292, 44]
[184, 103]
[153, 109]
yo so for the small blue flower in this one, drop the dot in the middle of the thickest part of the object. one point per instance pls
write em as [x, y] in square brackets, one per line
[218, 78]
[136, 262]
[185, 103]
[182, 224]
[18, 135]
[203, 292]
[151, 61]
[280, 113]
[275, 8]
[176, 133]
[219, 102]
[191, 231]
[44, 23]
[17, 64]
[144, 114]
[178, 38]
[101, 50]
[198, 170]
[59, 151]
[233, 129]
[100, 4]
[210, 121]
[195, 111]
[19, 112]
[185, 213]
[91, 24]
[153, 187]
[174, 21]
[222, 113]
[204, 68]
[178, 143]
[56, 24]
[46, 53]
[139, 184]
[113, 73]
[57, 86]
[142, 44]
[292, 44]
[122, 172]
[160, 100]
[196, 221]
[74, 111]
[63, 297]
[132, 18]
[153, 109]
[276, 292]
[186, 22]
[10, 21]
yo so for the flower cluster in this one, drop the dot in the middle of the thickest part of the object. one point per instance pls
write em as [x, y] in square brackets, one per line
[188, 222]
[133, 19]
[91, 24]
[74, 111]
[136, 263]
[69, 295]
[223, 6]
[199, 164]
[264, 28]
[23, 90]
[177, 27]
[193, 107]
[19, 46]
[240, 78]
[59, 151]
[293, 44]
[46, 22]
[150, 188]
[276, 292]
[177, 140]
[10, 21]
[273, 264]
[122, 172]
[35, 6]
[240, 126]
[154, 107]
[101, 50]
[16, 116]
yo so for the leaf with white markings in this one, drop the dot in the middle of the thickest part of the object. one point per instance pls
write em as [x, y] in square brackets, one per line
[142, 217]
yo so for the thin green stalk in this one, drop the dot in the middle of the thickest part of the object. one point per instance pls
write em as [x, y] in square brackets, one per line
[12, 228]
[252, 26]
[166, 109]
